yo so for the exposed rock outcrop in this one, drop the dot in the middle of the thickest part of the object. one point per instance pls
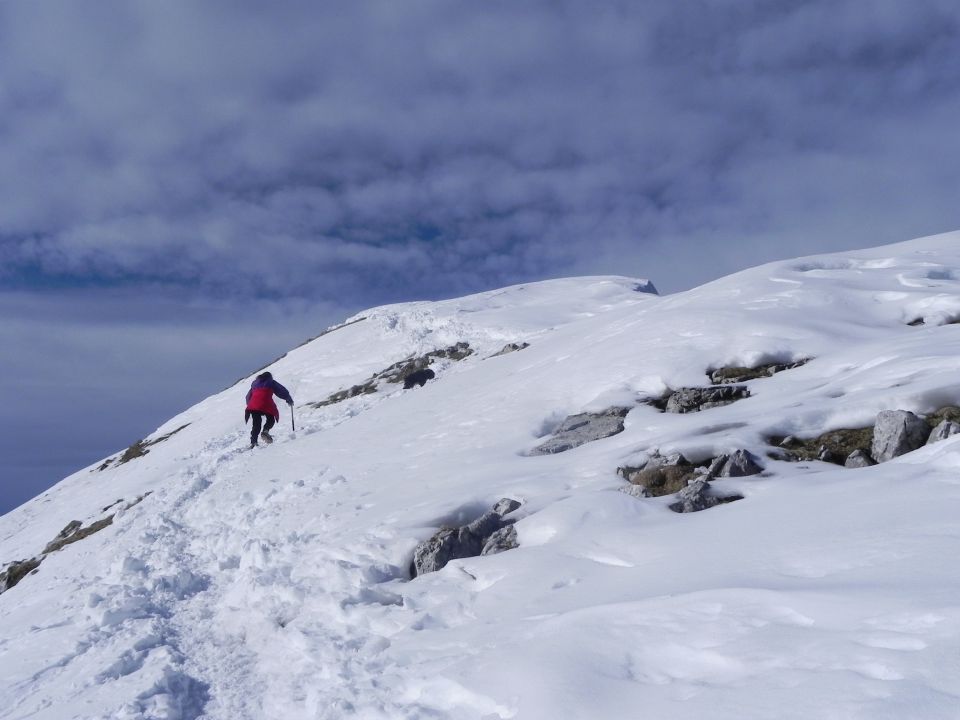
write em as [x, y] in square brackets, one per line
[487, 535]
[511, 348]
[894, 433]
[582, 428]
[398, 373]
[502, 540]
[944, 430]
[74, 531]
[859, 459]
[736, 375]
[897, 432]
[696, 399]
[834, 446]
[698, 496]
[740, 463]
[16, 571]
[661, 474]
[139, 449]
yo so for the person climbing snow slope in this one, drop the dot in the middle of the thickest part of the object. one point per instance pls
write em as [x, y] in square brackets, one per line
[260, 406]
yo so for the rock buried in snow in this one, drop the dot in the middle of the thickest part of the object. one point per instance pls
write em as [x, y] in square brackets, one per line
[738, 464]
[637, 491]
[694, 498]
[687, 400]
[858, 459]
[503, 539]
[506, 506]
[897, 432]
[944, 430]
[483, 536]
[660, 475]
[697, 496]
[511, 348]
[727, 375]
[16, 571]
[582, 428]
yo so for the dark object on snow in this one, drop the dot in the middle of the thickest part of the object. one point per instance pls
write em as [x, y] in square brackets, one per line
[582, 428]
[897, 432]
[486, 535]
[418, 377]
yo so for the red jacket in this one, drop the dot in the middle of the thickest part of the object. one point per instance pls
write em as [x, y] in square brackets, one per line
[260, 397]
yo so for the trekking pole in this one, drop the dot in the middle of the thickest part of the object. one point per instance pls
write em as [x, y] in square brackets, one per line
[293, 425]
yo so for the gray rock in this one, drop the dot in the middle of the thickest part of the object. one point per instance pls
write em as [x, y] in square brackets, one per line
[16, 571]
[897, 432]
[505, 506]
[825, 454]
[727, 375]
[637, 491]
[694, 498]
[446, 545]
[943, 431]
[481, 537]
[859, 459]
[484, 526]
[687, 400]
[582, 428]
[511, 348]
[503, 539]
[738, 464]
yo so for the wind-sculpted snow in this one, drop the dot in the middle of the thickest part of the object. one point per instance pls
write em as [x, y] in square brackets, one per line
[274, 583]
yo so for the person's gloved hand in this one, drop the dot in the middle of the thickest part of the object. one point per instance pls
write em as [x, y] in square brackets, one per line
[290, 403]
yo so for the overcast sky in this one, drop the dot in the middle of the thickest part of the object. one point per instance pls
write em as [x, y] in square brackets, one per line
[188, 189]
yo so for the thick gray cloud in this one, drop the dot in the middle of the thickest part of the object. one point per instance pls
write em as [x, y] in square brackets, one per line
[337, 155]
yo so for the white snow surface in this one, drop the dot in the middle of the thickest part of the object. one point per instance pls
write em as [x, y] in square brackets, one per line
[273, 583]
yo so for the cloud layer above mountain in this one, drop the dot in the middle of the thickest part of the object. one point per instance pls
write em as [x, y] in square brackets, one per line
[287, 163]
[382, 149]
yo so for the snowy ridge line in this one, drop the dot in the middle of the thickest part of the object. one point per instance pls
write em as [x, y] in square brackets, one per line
[274, 583]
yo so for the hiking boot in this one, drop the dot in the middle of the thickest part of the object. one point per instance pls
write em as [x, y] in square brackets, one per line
[266, 437]
[253, 444]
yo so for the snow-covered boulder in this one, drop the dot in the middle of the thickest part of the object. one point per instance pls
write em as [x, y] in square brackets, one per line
[897, 432]
[582, 428]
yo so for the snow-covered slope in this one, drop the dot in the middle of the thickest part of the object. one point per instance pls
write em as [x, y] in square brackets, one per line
[274, 583]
